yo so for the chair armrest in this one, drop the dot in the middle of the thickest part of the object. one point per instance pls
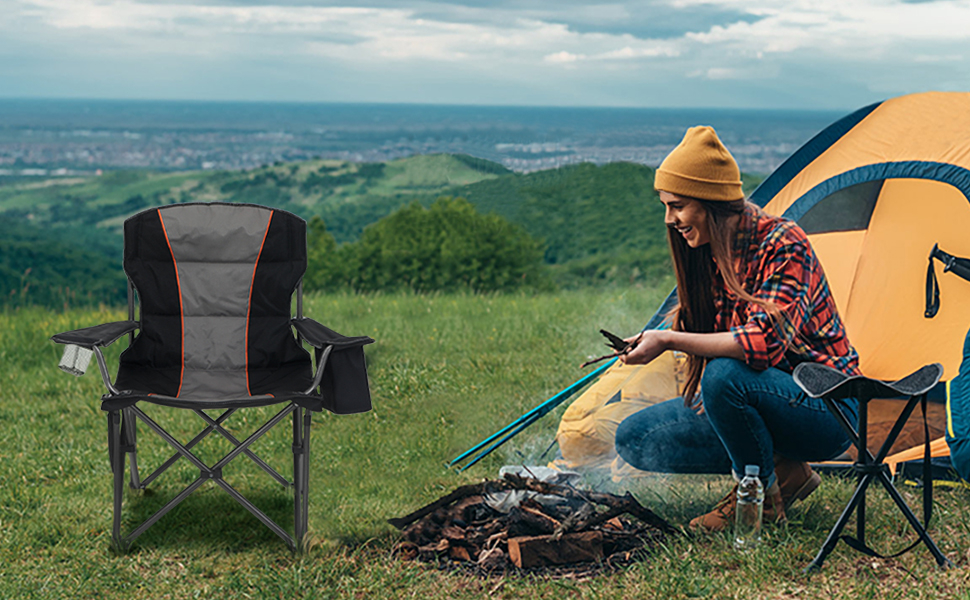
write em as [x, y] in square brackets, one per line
[818, 380]
[319, 336]
[99, 335]
[91, 339]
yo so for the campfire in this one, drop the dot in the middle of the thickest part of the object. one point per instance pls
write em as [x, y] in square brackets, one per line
[520, 523]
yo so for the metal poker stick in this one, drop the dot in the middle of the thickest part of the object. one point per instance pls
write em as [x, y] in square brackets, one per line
[515, 427]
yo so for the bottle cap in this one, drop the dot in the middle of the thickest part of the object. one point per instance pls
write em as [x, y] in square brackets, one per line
[753, 470]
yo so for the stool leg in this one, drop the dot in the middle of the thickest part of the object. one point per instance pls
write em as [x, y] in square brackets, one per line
[833, 537]
[914, 522]
[860, 525]
[862, 445]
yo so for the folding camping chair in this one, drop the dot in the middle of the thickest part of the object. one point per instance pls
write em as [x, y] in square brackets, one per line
[215, 283]
[820, 381]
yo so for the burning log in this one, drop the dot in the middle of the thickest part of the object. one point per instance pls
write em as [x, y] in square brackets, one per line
[557, 527]
[546, 550]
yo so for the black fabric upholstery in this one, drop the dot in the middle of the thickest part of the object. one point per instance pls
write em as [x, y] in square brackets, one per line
[99, 335]
[276, 360]
[153, 362]
[319, 336]
[344, 385]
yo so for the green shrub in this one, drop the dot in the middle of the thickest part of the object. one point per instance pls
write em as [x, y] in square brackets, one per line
[448, 246]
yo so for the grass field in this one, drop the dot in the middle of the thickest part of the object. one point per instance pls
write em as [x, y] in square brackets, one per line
[445, 372]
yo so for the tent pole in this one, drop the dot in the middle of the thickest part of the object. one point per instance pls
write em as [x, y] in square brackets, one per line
[530, 417]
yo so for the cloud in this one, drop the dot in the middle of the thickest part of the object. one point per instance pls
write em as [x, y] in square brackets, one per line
[563, 57]
[667, 52]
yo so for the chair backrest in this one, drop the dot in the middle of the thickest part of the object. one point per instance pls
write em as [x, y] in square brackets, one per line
[214, 283]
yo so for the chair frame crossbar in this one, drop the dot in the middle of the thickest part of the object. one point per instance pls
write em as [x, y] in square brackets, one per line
[122, 439]
[871, 468]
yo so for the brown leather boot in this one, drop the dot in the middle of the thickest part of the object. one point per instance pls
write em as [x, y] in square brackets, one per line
[796, 479]
[722, 516]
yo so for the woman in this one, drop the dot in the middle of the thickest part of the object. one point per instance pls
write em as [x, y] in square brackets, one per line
[753, 303]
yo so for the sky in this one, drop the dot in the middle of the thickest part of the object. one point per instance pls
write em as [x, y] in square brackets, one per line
[779, 54]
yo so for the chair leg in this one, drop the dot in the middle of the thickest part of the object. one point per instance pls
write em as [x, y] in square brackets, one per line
[306, 476]
[297, 474]
[130, 429]
[121, 441]
[301, 474]
[116, 457]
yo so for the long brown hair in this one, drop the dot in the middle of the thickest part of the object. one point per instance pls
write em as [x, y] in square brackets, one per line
[694, 268]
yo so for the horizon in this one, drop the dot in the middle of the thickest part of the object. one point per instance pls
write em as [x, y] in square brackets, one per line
[83, 134]
[432, 104]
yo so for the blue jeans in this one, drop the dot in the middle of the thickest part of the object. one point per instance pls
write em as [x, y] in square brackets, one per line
[748, 416]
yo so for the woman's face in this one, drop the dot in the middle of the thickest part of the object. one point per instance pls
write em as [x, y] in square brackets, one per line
[688, 217]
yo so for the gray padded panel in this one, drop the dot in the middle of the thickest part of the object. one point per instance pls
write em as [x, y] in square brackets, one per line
[220, 289]
[215, 250]
[201, 232]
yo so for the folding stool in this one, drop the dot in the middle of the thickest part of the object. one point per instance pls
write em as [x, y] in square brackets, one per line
[820, 381]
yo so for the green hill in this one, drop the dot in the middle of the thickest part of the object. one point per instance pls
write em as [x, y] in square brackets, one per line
[309, 188]
[598, 223]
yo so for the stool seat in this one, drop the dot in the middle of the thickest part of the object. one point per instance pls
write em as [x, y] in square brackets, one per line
[819, 380]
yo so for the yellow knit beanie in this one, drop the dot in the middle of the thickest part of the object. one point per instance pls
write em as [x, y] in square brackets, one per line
[700, 167]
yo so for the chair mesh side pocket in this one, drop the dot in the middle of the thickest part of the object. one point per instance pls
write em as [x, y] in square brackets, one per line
[75, 360]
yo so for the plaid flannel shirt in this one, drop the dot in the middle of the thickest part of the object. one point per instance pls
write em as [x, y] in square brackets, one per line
[775, 262]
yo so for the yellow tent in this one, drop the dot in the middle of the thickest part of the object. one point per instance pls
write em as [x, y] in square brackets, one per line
[874, 191]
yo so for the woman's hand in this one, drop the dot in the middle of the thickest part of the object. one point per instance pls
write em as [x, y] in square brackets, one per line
[652, 344]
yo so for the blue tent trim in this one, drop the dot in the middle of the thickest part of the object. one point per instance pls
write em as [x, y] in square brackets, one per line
[956, 176]
[812, 149]
[958, 416]
[657, 320]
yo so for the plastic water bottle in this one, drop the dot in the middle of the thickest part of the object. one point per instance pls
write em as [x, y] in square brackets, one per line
[751, 499]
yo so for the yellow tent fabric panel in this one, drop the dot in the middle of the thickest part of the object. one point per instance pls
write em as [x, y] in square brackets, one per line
[588, 427]
[938, 448]
[839, 254]
[919, 127]
[884, 317]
